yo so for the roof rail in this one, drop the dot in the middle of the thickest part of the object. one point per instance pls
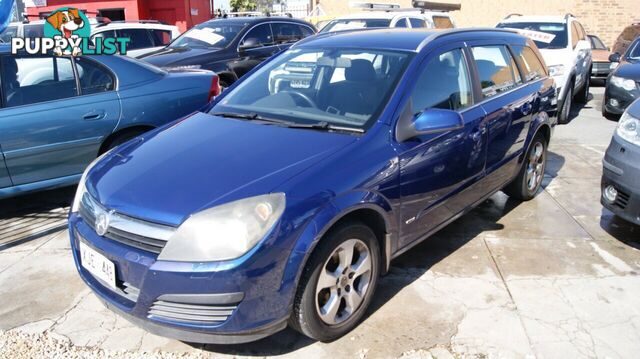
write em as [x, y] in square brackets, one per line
[436, 6]
[374, 6]
[568, 15]
[511, 15]
[103, 21]
[280, 13]
[243, 13]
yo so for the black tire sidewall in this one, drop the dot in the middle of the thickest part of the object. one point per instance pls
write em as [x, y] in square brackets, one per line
[309, 322]
[565, 112]
[527, 193]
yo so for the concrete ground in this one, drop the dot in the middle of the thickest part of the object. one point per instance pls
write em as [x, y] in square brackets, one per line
[556, 277]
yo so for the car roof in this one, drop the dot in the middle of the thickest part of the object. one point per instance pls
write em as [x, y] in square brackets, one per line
[534, 18]
[399, 39]
[254, 19]
[378, 15]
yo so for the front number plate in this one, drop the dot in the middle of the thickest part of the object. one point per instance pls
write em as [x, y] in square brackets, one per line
[98, 265]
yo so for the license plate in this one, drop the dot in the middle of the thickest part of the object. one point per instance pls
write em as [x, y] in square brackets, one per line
[98, 265]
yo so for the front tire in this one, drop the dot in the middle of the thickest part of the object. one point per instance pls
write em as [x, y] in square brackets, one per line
[565, 109]
[526, 185]
[338, 283]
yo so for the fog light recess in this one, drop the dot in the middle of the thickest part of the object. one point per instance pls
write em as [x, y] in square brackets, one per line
[610, 193]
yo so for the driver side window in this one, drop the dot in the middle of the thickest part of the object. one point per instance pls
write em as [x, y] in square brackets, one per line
[444, 83]
[262, 34]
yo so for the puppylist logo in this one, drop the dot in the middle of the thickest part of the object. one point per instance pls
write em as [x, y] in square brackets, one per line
[67, 31]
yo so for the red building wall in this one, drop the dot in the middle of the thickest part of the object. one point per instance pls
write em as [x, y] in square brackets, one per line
[174, 12]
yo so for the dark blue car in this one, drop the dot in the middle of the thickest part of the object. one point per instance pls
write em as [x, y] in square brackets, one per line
[285, 203]
[57, 114]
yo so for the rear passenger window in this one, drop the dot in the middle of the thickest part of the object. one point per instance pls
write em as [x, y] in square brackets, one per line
[495, 69]
[442, 22]
[29, 80]
[417, 23]
[93, 77]
[531, 64]
[306, 31]
[261, 34]
[444, 84]
[139, 38]
[285, 33]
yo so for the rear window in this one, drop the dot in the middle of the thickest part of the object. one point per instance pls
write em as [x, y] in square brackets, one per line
[442, 22]
[8, 33]
[546, 35]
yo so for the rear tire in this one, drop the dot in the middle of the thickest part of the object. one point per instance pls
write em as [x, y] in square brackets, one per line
[526, 185]
[335, 292]
[565, 109]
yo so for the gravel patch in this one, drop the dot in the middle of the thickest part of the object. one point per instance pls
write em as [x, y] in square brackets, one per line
[19, 345]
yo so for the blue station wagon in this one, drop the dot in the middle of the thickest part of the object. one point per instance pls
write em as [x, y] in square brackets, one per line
[57, 114]
[285, 203]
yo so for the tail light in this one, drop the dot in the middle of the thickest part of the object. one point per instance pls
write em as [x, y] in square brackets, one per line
[215, 87]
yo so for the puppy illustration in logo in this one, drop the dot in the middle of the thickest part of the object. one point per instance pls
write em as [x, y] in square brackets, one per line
[66, 21]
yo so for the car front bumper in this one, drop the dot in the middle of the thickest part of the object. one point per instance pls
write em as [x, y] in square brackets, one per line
[600, 70]
[622, 171]
[617, 99]
[228, 302]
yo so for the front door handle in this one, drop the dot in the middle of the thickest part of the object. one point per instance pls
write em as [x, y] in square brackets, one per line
[94, 115]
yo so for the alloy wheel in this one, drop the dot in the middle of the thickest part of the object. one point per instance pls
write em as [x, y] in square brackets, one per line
[343, 282]
[535, 167]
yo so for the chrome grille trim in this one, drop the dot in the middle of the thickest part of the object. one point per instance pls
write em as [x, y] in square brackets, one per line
[127, 230]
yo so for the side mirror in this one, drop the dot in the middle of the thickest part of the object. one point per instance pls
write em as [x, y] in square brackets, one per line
[615, 57]
[433, 120]
[249, 43]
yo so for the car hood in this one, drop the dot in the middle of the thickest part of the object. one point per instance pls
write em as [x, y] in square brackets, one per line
[203, 161]
[180, 56]
[554, 57]
[628, 70]
[600, 55]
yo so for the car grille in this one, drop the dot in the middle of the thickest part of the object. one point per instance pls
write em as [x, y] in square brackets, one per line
[622, 199]
[206, 314]
[147, 236]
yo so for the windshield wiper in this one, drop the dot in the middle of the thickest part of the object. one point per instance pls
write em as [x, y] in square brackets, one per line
[323, 125]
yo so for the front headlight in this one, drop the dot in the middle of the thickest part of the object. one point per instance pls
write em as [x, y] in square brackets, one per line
[623, 83]
[75, 207]
[629, 128]
[556, 70]
[224, 232]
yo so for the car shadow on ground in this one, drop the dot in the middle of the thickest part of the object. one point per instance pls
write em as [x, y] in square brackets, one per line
[626, 232]
[29, 217]
[404, 270]
[576, 107]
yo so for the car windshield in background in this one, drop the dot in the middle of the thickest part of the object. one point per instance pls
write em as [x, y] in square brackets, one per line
[217, 33]
[350, 24]
[596, 43]
[557, 30]
[344, 88]
[8, 33]
[634, 51]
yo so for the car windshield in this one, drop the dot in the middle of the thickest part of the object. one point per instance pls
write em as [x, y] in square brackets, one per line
[634, 51]
[546, 35]
[8, 33]
[350, 24]
[596, 43]
[217, 33]
[335, 87]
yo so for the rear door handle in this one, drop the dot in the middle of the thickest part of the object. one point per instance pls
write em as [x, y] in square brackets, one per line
[94, 115]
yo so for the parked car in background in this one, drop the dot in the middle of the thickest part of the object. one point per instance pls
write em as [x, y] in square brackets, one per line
[623, 85]
[621, 173]
[566, 50]
[35, 28]
[625, 38]
[145, 35]
[285, 206]
[231, 47]
[601, 64]
[391, 16]
[59, 113]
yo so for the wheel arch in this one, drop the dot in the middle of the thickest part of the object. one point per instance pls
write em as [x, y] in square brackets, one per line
[141, 128]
